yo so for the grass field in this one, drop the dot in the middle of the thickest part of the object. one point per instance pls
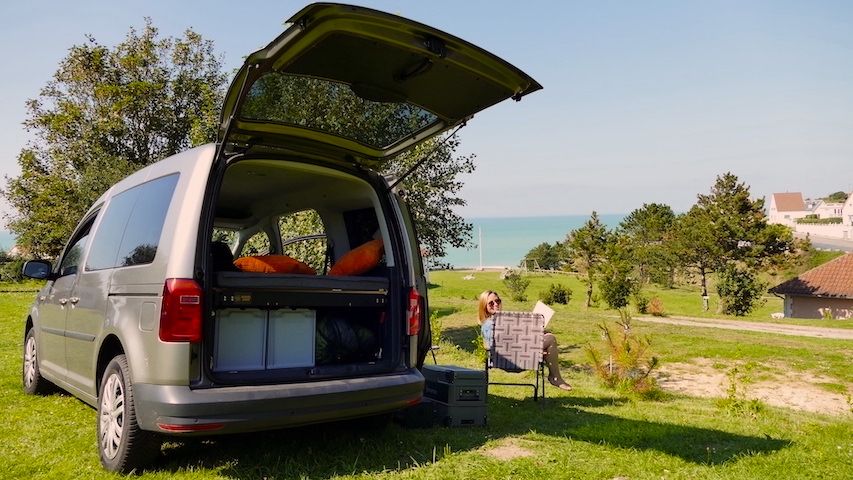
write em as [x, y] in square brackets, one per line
[588, 433]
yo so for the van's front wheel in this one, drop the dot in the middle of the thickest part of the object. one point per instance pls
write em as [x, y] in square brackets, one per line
[122, 445]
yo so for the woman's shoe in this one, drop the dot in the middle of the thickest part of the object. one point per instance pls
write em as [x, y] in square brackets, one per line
[560, 383]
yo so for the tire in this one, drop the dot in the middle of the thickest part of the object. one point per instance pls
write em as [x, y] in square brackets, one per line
[34, 383]
[122, 445]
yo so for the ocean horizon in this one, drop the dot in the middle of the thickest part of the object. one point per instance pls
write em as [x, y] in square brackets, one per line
[506, 240]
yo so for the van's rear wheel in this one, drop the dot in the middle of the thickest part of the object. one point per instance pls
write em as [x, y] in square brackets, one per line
[122, 445]
[34, 383]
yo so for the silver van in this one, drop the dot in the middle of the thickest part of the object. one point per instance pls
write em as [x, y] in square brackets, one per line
[273, 278]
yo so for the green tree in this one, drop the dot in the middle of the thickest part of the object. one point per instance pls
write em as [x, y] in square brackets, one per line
[615, 278]
[740, 290]
[431, 192]
[586, 246]
[547, 256]
[104, 114]
[695, 244]
[648, 230]
[836, 197]
[728, 229]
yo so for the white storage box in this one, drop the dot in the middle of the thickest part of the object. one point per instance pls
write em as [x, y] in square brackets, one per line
[241, 339]
[290, 339]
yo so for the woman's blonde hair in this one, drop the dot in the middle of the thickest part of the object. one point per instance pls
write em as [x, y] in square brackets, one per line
[483, 302]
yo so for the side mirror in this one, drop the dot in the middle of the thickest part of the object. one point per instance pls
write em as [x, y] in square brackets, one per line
[38, 269]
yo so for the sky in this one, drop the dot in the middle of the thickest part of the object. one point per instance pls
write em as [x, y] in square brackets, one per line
[642, 102]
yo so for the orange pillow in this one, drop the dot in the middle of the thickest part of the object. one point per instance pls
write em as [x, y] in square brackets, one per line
[360, 259]
[273, 264]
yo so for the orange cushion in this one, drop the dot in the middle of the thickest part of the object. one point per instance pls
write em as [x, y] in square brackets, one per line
[273, 264]
[360, 259]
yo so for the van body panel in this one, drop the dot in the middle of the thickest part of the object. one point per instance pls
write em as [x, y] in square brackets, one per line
[252, 408]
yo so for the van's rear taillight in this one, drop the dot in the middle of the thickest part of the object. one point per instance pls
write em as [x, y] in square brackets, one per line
[414, 313]
[180, 315]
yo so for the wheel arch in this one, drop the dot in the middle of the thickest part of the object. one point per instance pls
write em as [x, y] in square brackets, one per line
[110, 348]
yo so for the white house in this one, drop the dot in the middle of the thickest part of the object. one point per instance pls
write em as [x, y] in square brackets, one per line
[825, 209]
[786, 207]
[847, 211]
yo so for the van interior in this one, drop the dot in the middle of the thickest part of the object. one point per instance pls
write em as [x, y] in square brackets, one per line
[301, 273]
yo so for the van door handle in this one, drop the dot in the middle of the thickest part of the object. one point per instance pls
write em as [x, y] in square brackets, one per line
[63, 301]
[74, 300]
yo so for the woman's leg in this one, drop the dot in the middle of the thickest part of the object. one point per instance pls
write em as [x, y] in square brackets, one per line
[552, 359]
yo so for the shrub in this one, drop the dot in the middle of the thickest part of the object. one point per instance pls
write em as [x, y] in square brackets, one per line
[436, 327]
[641, 302]
[628, 364]
[736, 401]
[615, 290]
[516, 284]
[556, 293]
[656, 307]
[11, 271]
[740, 290]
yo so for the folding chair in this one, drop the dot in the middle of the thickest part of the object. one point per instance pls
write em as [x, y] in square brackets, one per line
[516, 346]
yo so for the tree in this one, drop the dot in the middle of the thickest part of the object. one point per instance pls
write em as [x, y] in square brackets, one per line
[696, 246]
[648, 229]
[726, 229]
[547, 256]
[836, 197]
[432, 193]
[104, 114]
[740, 290]
[585, 249]
[615, 280]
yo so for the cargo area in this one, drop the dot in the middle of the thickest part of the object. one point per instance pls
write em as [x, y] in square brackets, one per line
[303, 279]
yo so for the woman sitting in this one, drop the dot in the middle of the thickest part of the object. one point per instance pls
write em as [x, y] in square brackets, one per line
[489, 304]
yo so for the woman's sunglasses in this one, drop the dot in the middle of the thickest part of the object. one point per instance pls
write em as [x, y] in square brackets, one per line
[495, 302]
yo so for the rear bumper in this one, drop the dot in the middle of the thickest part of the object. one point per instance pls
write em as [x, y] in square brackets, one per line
[180, 410]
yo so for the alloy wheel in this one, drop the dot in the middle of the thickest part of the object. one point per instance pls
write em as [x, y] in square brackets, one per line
[112, 416]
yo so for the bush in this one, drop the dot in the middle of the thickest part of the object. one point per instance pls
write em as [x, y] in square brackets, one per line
[11, 271]
[656, 307]
[516, 285]
[629, 364]
[556, 293]
[740, 290]
[641, 302]
[615, 290]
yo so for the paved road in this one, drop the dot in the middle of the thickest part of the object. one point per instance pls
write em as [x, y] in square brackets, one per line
[828, 243]
[797, 330]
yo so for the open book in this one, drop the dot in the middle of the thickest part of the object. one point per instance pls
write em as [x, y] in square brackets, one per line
[544, 310]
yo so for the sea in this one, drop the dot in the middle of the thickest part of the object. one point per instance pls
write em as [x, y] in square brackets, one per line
[504, 241]
[501, 241]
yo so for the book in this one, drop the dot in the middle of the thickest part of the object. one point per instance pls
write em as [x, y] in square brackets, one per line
[544, 310]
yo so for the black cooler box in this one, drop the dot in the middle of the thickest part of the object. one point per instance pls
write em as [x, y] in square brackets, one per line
[458, 394]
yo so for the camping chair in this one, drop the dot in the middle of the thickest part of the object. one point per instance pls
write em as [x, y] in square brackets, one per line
[516, 346]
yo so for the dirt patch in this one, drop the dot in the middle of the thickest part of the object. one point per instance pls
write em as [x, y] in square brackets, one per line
[508, 450]
[775, 385]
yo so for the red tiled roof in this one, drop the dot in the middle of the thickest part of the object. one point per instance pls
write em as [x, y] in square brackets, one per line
[789, 202]
[832, 279]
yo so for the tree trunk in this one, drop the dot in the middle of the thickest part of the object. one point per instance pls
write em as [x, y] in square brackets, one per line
[704, 289]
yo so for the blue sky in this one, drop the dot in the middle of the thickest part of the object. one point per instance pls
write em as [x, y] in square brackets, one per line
[643, 101]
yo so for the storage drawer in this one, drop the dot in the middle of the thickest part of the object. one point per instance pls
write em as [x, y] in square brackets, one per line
[253, 339]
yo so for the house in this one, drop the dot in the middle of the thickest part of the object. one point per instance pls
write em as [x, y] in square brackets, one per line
[847, 211]
[825, 209]
[786, 207]
[827, 288]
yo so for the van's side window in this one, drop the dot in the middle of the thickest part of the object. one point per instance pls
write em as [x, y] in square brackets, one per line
[130, 230]
[73, 257]
[303, 236]
[258, 244]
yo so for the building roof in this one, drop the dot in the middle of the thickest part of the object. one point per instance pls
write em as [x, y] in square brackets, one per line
[832, 279]
[789, 202]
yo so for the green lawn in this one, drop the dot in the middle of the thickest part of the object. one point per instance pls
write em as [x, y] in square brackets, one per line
[588, 433]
